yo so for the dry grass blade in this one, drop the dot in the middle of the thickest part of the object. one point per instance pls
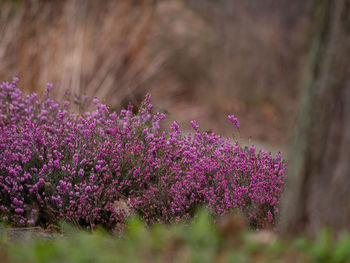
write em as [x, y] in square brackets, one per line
[98, 49]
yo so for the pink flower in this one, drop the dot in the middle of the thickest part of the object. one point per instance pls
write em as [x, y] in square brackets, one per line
[234, 120]
[88, 189]
[86, 162]
[195, 125]
[19, 210]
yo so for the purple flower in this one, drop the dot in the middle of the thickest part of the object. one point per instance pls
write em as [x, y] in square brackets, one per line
[48, 90]
[88, 189]
[19, 210]
[15, 80]
[195, 125]
[77, 166]
[81, 173]
[234, 120]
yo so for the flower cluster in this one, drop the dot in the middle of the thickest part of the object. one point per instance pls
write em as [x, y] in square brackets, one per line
[58, 165]
[234, 120]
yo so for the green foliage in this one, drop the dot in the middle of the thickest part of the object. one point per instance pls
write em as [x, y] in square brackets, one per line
[325, 248]
[198, 241]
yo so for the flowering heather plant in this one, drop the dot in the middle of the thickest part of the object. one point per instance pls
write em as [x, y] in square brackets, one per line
[58, 165]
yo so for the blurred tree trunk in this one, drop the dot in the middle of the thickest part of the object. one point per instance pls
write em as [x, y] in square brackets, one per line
[318, 189]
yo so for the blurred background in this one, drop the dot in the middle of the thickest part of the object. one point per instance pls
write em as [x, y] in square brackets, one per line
[200, 59]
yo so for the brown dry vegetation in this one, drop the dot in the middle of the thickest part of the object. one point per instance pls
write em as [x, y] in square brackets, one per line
[82, 46]
[200, 59]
